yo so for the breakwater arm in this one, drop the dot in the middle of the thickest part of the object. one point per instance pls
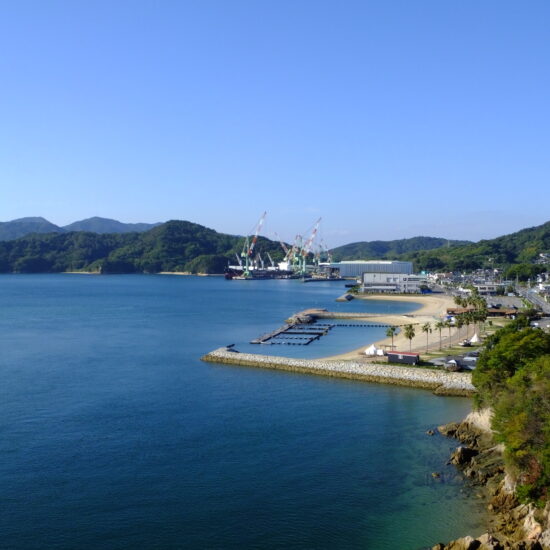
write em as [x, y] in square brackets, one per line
[442, 383]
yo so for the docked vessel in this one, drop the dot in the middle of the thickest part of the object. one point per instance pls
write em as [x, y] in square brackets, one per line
[251, 266]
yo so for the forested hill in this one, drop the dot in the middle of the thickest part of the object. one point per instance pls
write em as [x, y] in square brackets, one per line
[379, 250]
[107, 225]
[520, 248]
[172, 246]
[186, 246]
[21, 227]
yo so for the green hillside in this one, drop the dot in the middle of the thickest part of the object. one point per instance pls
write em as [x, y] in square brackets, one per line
[106, 225]
[519, 249]
[186, 246]
[379, 250]
[172, 246]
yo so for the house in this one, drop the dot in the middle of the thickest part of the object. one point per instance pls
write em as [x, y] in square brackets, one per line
[405, 357]
[502, 312]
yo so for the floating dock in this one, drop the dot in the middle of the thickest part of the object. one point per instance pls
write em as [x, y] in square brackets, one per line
[304, 333]
[305, 327]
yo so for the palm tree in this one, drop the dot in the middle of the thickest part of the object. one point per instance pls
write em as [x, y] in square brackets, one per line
[448, 324]
[483, 316]
[467, 321]
[459, 324]
[440, 325]
[427, 328]
[390, 333]
[409, 334]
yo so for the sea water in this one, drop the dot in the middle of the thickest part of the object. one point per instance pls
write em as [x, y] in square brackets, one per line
[114, 435]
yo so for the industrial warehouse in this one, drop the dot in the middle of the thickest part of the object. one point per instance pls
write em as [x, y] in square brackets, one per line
[381, 275]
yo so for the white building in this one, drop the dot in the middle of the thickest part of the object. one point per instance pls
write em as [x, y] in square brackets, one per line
[356, 268]
[392, 282]
[381, 275]
[488, 288]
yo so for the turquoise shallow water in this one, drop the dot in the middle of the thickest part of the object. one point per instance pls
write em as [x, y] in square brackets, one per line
[115, 435]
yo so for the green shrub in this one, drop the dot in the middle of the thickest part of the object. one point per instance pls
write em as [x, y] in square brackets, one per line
[513, 377]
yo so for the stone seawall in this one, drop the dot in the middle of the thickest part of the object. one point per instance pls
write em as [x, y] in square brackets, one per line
[441, 382]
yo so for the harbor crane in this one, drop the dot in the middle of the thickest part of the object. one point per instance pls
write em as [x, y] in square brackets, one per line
[249, 245]
[326, 249]
[294, 255]
[307, 247]
[283, 246]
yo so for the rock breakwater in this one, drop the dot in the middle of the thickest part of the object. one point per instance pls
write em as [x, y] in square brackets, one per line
[442, 383]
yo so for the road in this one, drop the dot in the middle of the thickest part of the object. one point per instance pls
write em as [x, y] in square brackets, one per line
[535, 299]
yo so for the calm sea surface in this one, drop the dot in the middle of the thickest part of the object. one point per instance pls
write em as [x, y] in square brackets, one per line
[114, 435]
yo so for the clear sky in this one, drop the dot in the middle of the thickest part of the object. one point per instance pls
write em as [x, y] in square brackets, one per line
[389, 119]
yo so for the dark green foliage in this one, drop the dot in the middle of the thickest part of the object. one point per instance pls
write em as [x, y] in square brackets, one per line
[513, 377]
[173, 246]
[433, 254]
[523, 272]
[508, 352]
[522, 422]
[520, 247]
[389, 249]
[207, 263]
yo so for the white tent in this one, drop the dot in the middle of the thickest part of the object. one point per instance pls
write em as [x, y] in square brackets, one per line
[474, 339]
[372, 350]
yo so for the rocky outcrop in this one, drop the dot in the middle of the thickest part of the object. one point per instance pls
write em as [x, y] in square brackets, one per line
[347, 297]
[462, 456]
[486, 542]
[512, 525]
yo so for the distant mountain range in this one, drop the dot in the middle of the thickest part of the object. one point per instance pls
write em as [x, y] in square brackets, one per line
[105, 225]
[186, 246]
[171, 246]
[25, 226]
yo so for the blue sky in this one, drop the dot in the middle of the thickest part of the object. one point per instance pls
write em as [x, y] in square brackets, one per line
[389, 119]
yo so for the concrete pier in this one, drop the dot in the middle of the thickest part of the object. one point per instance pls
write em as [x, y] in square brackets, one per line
[441, 382]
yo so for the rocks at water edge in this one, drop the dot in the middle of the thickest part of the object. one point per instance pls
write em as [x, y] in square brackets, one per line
[462, 456]
[512, 526]
[441, 382]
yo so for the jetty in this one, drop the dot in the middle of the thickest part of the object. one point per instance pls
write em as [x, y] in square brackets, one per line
[306, 333]
[304, 327]
[315, 314]
[308, 325]
[440, 382]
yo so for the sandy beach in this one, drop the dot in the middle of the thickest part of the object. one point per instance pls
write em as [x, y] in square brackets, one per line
[431, 309]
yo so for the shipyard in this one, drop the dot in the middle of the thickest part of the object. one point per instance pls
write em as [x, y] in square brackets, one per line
[309, 259]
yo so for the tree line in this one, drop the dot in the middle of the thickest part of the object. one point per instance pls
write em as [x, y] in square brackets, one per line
[513, 378]
[173, 246]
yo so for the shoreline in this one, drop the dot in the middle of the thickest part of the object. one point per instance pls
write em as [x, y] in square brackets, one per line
[440, 382]
[510, 524]
[431, 309]
[189, 274]
[356, 365]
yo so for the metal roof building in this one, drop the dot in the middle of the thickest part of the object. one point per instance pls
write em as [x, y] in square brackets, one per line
[356, 268]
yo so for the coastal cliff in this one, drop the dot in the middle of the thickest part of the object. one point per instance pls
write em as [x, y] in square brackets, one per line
[512, 524]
